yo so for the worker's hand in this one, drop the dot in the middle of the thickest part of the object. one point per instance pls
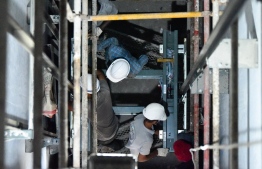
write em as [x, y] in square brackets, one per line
[162, 152]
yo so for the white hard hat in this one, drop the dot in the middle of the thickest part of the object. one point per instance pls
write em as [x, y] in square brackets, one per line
[89, 84]
[155, 111]
[118, 70]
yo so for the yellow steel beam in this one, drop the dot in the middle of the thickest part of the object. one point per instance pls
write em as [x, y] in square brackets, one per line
[165, 60]
[145, 16]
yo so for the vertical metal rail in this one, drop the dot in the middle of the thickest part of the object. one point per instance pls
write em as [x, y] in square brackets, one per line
[63, 87]
[215, 96]
[233, 117]
[186, 95]
[31, 72]
[84, 76]
[196, 96]
[3, 32]
[77, 53]
[175, 80]
[191, 49]
[94, 69]
[164, 87]
[38, 83]
[206, 92]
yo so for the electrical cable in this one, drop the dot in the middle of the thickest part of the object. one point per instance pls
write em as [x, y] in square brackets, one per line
[225, 147]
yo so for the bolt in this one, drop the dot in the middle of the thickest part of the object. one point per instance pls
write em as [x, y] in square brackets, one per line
[25, 134]
[198, 70]
[15, 134]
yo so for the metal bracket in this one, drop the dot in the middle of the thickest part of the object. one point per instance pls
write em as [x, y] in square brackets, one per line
[53, 149]
[198, 84]
[53, 142]
[55, 19]
[18, 134]
[247, 51]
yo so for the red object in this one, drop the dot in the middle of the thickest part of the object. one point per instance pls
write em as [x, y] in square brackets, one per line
[182, 152]
[49, 114]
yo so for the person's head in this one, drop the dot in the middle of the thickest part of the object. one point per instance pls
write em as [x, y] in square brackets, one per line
[154, 112]
[181, 150]
[89, 87]
[118, 70]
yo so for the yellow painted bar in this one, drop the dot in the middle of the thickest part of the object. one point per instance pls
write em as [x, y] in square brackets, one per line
[145, 16]
[165, 60]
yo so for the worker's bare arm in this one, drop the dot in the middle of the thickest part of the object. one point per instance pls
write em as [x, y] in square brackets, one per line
[100, 75]
[143, 158]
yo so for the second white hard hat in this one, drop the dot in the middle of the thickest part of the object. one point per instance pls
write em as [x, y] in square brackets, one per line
[155, 111]
[89, 87]
[118, 70]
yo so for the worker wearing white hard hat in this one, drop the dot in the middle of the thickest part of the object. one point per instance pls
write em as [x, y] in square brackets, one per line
[142, 131]
[89, 87]
[121, 64]
[118, 70]
[155, 111]
[107, 122]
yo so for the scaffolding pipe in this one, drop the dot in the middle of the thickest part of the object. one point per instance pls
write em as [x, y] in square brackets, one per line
[77, 53]
[27, 42]
[191, 50]
[84, 94]
[206, 92]
[232, 11]
[38, 84]
[145, 16]
[3, 27]
[185, 97]
[233, 114]
[196, 96]
[94, 77]
[31, 66]
[215, 96]
[63, 96]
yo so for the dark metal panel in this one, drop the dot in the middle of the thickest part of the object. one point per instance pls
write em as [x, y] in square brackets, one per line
[38, 83]
[233, 93]
[112, 161]
[3, 28]
[63, 96]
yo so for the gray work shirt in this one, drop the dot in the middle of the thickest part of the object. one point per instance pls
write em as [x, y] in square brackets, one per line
[140, 137]
[107, 122]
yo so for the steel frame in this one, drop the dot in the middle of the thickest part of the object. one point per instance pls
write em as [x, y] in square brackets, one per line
[34, 46]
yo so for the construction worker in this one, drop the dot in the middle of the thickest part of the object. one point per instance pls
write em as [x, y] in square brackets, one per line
[120, 62]
[107, 122]
[105, 7]
[142, 131]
